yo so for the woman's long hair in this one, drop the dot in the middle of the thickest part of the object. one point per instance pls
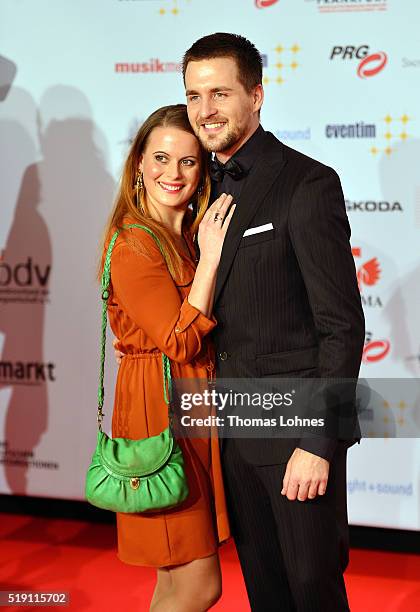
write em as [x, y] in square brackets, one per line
[126, 204]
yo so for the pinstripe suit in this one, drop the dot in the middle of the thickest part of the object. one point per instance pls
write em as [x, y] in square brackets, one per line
[287, 304]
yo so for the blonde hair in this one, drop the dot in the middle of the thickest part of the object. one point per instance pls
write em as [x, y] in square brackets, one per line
[126, 200]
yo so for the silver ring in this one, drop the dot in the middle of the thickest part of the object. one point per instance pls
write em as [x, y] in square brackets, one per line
[217, 217]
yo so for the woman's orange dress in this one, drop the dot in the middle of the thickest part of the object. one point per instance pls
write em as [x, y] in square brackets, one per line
[150, 314]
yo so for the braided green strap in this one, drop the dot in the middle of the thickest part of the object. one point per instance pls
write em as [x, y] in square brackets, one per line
[105, 282]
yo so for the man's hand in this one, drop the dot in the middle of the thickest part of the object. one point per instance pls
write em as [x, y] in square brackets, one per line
[306, 476]
[117, 353]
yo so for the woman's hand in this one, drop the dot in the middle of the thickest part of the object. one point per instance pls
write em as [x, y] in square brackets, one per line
[117, 353]
[212, 230]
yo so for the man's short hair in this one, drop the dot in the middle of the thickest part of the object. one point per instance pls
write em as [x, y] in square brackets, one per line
[246, 55]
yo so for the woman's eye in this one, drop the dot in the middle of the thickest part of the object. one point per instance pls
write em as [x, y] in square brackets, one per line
[160, 158]
[188, 162]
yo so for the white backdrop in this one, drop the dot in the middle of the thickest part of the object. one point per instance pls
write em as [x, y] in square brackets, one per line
[342, 81]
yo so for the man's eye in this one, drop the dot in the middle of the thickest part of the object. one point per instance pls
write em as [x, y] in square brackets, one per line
[193, 98]
[219, 95]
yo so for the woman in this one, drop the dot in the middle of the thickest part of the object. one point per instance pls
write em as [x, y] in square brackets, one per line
[163, 304]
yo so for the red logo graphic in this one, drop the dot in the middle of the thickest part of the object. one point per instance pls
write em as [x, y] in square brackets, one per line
[369, 272]
[375, 350]
[264, 3]
[372, 64]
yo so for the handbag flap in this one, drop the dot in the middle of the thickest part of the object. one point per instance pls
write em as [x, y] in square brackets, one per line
[135, 458]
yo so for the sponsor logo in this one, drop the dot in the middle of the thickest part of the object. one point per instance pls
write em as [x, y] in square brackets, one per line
[350, 130]
[265, 3]
[369, 272]
[25, 282]
[26, 373]
[395, 130]
[172, 9]
[349, 6]
[304, 134]
[373, 206]
[23, 458]
[278, 68]
[375, 350]
[370, 64]
[154, 65]
[390, 130]
[410, 63]
[368, 275]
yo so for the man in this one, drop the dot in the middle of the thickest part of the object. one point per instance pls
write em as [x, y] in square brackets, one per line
[287, 303]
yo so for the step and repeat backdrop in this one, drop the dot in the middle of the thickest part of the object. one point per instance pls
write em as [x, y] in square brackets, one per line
[342, 84]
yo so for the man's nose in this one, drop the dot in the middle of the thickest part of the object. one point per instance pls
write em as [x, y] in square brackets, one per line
[207, 108]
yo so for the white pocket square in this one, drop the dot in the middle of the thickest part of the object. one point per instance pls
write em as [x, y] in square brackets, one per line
[258, 230]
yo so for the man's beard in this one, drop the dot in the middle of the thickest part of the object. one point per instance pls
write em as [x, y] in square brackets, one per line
[214, 145]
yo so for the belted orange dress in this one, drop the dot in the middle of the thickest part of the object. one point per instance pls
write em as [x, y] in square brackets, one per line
[149, 313]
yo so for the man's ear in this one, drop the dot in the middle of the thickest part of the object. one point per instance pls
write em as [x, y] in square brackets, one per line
[258, 97]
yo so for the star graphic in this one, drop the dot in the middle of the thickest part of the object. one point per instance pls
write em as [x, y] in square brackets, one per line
[388, 119]
[279, 49]
[279, 65]
[405, 118]
[388, 150]
[266, 80]
[279, 80]
[388, 136]
[175, 11]
[385, 404]
[401, 421]
[403, 135]
[294, 65]
[295, 48]
[402, 405]
[386, 419]
[162, 11]
[374, 150]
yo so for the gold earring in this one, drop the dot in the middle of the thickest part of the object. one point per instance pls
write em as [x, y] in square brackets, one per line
[139, 187]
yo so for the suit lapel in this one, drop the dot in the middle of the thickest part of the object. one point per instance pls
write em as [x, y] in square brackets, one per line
[257, 185]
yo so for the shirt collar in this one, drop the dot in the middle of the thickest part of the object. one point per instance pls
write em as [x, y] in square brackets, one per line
[248, 153]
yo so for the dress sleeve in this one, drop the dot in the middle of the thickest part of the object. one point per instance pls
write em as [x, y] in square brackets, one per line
[145, 290]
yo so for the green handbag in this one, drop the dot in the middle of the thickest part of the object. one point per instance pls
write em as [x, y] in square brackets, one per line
[134, 475]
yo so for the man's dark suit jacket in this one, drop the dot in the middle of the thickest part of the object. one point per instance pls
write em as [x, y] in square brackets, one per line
[287, 300]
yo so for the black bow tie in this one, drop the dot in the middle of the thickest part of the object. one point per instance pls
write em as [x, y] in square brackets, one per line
[231, 167]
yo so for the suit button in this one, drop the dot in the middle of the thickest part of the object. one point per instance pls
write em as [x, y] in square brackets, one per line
[223, 356]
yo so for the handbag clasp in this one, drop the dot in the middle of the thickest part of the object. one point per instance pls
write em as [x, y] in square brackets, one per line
[134, 483]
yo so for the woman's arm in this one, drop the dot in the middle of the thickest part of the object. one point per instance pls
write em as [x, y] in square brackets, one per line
[145, 290]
